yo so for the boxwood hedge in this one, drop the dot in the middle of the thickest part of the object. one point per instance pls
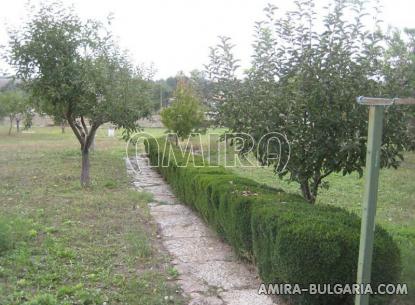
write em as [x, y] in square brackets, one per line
[289, 240]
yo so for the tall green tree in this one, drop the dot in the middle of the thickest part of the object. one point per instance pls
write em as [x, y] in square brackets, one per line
[186, 114]
[304, 82]
[399, 62]
[161, 92]
[75, 71]
[202, 86]
[221, 71]
[399, 72]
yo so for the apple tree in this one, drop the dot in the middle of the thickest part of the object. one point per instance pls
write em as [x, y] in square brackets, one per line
[74, 70]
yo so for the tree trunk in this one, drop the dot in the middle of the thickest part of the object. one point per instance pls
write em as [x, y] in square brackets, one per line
[63, 126]
[85, 137]
[11, 125]
[17, 125]
[85, 180]
[85, 148]
[306, 191]
[93, 146]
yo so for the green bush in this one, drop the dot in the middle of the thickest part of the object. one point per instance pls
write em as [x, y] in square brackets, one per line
[289, 240]
[299, 243]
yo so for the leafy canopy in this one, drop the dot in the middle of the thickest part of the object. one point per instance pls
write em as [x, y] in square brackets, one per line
[303, 83]
[75, 69]
[185, 115]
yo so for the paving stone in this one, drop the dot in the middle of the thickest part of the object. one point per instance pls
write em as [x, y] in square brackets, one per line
[159, 189]
[192, 285]
[153, 204]
[178, 231]
[245, 297]
[198, 299]
[164, 199]
[199, 249]
[225, 274]
[209, 271]
[177, 209]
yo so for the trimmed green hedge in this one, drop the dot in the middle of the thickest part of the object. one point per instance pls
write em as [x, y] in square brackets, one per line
[288, 239]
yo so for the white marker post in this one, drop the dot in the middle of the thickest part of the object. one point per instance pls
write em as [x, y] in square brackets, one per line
[111, 132]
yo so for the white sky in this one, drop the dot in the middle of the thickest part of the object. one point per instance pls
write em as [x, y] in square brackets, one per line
[175, 35]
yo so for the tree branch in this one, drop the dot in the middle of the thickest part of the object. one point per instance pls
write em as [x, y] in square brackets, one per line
[84, 125]
[91, 135]
[72, 124]
[305, 190]
[79, 127]
[324, 176]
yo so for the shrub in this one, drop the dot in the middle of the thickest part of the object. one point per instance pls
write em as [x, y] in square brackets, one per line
[298, 243]
[289, 240]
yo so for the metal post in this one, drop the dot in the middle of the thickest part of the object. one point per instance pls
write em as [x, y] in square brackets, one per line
[369, 201]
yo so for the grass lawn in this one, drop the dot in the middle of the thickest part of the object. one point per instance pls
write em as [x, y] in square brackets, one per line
[60, 244]
[72, 246]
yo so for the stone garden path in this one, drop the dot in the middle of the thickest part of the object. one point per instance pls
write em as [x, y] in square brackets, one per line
[209, 271]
